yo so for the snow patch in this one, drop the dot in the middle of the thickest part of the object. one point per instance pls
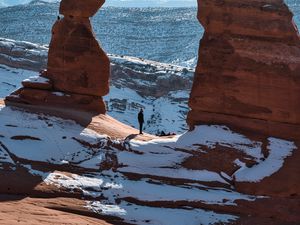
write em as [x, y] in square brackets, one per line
[10, 79]
[279, 151]
[37, 79]
[211, 136]
[144, 215]
[5, 157]
[48, 139]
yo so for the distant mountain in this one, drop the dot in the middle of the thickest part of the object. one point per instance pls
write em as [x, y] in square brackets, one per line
[6, 3]
[168, 35]
[42, 2]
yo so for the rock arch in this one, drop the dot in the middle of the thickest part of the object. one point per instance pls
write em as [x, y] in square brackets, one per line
[248, 73]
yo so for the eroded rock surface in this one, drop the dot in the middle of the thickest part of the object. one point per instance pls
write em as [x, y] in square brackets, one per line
[248, 77]
[78, 8]
[76, 63]
[77, 66]
[248, 74]
[194, 178]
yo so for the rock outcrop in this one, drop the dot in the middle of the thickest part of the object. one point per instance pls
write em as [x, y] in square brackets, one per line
[248, 78]
[78, 70]
[248, 74]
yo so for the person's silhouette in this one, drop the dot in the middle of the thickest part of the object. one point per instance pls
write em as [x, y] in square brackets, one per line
[141, 120]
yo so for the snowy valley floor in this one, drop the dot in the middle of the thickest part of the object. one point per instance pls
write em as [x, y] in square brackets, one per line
[133, 86]
[62, 171]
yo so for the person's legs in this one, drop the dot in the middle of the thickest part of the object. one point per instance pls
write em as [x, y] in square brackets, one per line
[141, 128]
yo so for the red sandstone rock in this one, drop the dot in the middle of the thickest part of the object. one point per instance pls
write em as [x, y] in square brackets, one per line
[284, 183]
[77, 66]
[76, 63]
[249, 66]
[248, 77]
[58, 99]
[80, 8]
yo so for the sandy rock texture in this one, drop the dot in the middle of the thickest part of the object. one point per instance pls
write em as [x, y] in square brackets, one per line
[248, 74]
[78, 8]
[77, 66]
[105, 173]
[76, 63]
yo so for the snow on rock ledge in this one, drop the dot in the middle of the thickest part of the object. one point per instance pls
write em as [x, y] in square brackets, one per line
[22, 54]
[144, 179]
[144, 215]
[279, 151]
[48, 139]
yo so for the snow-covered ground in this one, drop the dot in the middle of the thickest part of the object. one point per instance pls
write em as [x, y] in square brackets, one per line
[11, 78]
[54, 140]
[158, 164]
[161, 89]
[162, 114]
[279, 151]
[45, 139]
[144, 215]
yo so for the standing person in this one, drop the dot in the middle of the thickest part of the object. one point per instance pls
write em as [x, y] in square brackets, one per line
[141, 120]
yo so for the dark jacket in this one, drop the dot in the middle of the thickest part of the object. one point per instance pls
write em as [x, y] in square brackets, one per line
[141, 117]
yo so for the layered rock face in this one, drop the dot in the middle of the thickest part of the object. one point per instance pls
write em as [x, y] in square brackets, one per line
[248, 74]
[77, 74]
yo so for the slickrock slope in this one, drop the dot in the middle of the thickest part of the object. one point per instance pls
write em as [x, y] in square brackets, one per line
[16, 211]
[67, 170]
[78, 70]
[248, 74]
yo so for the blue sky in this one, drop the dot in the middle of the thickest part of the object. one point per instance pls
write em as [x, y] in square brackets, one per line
[128, 3]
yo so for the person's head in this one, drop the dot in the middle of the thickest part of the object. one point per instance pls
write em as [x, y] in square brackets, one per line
[141, 110]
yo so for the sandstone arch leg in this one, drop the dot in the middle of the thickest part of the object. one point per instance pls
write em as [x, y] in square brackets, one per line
[248, 74]
[78, 70]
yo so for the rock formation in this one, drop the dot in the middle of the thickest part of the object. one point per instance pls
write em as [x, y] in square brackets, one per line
[248, 74]
[77, 74]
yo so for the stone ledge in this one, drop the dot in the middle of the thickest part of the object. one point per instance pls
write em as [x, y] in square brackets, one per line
[79, 102]
[247, 125]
